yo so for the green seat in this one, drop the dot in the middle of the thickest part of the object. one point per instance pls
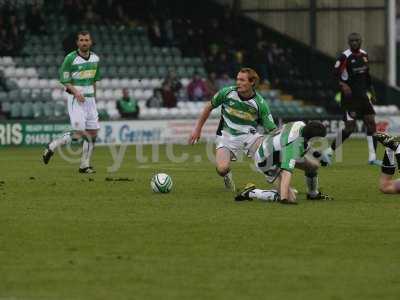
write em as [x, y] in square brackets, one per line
[129, 60]
[152, 72]
[38, 108]
[113, 72]
[48, 109]
[149, 60]
[133, 72]
[158, 60]
[15, 109]
[178, 61]
[162, 71]
[60, 109]
[190, 70]
[118, 60]
[52, 72]
[123, 72]
[168, 61]
[142, 72]
[27, 110]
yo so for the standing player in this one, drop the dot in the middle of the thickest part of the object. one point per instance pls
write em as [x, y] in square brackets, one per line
[352, 72]
[79, 73]
[243, 109]
[277, 156]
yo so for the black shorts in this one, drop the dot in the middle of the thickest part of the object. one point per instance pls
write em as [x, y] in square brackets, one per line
[352, 113]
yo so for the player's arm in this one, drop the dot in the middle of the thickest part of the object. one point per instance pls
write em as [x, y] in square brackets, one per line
[339, 68]
[372, 93]
[196, 133]
[289, 154]
[65, 79]
[284, 189]
[215, 102]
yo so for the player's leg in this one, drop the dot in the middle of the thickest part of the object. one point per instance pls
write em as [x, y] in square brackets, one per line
[223, 159]
[386, 183]
[77, 119]
[310, 168]
[349, 127]
[92, 126]
[250, 192]
[369, 121]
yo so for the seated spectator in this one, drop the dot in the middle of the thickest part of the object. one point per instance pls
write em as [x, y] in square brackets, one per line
[197, 89]
[168, 94]
[211, 85]
[169, 90]
[35, 20]
[156, 100]
[127, 107]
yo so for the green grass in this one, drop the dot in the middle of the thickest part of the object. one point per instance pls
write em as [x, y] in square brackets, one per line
[65, 237]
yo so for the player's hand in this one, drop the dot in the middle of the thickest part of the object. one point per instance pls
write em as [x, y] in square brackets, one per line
[79, 97]
[194, 137]
[346, 89]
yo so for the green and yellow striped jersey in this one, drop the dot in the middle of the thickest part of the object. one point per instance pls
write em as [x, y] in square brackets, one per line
[288, 142]
[82, 73]
[242, 116]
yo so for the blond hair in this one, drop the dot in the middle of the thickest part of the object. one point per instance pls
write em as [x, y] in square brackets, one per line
[252, 76]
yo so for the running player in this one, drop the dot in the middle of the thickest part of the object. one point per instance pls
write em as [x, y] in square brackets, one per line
[352, 72]
[243, 109]
[276, 157]
[79, 73]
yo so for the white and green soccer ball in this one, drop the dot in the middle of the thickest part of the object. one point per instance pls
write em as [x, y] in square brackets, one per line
[161, 183]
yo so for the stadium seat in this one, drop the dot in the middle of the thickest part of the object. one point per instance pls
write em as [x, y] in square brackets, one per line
[15, 110]
[27, 110]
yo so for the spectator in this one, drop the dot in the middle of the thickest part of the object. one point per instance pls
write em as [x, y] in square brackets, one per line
[155, 33]
[127, 107]
[90, 16]
[197, 89]
[211, 85]
[168, 94]
[35, 20]
[156, 100]
[174, 81]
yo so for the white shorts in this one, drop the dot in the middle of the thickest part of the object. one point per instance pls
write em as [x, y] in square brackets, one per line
[83, 115]
[236, 143]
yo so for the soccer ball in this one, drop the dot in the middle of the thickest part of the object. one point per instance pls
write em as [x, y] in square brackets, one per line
[161, 183]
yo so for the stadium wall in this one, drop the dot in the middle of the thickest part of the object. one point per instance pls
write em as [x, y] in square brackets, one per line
[30, 133]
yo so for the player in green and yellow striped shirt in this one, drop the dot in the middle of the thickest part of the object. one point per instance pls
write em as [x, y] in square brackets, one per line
[242, 110]
[79, 73]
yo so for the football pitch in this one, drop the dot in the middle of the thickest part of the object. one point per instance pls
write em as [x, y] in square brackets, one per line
[65, 235]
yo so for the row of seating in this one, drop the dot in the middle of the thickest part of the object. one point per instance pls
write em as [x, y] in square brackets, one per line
[58, 109]
[151, 72]
[116, 60]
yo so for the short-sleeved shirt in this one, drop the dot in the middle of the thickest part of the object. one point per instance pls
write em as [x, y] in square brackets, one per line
[352, 68]
[283, 147]
[242, 116]
[81, 72]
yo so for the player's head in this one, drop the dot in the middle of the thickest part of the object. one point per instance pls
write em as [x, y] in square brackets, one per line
[314, 129]
[246, 80]
[83, 40]
[354, 40]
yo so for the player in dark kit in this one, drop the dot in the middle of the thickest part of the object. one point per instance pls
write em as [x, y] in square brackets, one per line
[357, 92]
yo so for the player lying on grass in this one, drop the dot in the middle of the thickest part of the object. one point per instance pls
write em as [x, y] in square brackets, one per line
[277, 156]
[387, 184]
